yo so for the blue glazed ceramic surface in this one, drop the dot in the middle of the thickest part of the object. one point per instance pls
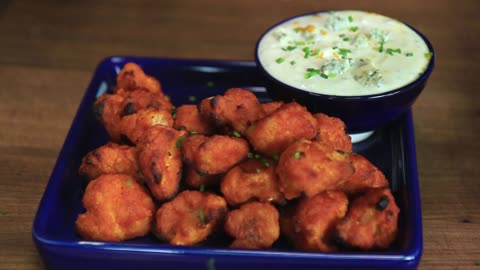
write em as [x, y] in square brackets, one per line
[360, 113]
[391, 148]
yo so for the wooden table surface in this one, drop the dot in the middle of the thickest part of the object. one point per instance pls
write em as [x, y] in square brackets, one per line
[49, 50]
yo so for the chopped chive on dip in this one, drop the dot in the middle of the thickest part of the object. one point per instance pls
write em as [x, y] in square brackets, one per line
[312, 72]
[409, 54]
[350, 18]
[289, 48]
[293, 62]
[392, 51]
[280, 60]
[353, 29]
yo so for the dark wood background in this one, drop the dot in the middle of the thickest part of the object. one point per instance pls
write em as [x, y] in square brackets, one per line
[49, 50]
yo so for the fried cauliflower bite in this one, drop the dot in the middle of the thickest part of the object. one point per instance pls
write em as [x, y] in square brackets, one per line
[132, 77]
[195, 180]
[140, 99]
[189, 119]
[371, 221]
[275, 132]
[117, 209]
[237, 108]
[160, 160]
[331, 130]
[217, 154]
[190, 217]
[254, 225]
[312, 226]
[108, 110]
[133, 126]
[366, 176]
[190, 147]
[270, 107]
[310, 167]
[110, 158]
[251, 179]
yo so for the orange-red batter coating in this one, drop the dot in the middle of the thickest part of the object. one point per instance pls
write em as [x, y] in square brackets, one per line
[108, 110]
[160, 160]
[371, 221]
[117, 209]
[275, 132]
[366, 176]
[312, 226]
[110, 158]
[310, 167]
[140, 99]
[132, 77]
[331, 130]
[189, 119]
[251, 179]
[270, 107]
[195, 180]
[237, 108]
[254, 225]
[133, 126]
[190, 217]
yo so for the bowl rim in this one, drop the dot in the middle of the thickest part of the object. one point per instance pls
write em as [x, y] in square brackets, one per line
[406, 88]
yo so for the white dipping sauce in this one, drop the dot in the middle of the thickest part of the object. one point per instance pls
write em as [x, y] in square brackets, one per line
[344, 53]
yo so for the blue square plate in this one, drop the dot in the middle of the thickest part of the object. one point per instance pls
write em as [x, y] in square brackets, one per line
[392, 149]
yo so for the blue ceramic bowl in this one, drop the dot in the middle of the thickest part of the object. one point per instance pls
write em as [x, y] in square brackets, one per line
[360, 113]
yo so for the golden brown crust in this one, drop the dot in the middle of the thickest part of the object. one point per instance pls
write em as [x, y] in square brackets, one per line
[251, 179]
[109, 159]
[275, 132]
[132, 77]
[254, 225]
[331, 130]
[195, 179]
[371, 221]
[160, 160]
[141, 98]
[189, 119]
[133, 126]
[190, 217]
[309, 167]
[270, 107]
[366, 176]
[117, 209]
[108, 110]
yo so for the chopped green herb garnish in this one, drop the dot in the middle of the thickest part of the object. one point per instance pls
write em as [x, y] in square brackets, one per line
[306, 50]
[202, 187]
[428, 55]
[342, 35]
[280, 60]
[297, 155]
[276, 157]
[300, 43]
[174, 115]
[210, 84]
[211, 264]
[409, 54]
[192, 132]
[289, 48]
[420, 74]
[128, 183]
[380, 49]
[353, 29]
[323, 75]
[346, 39]
[192, 98]
[392, 51]
[180, 142]
[236, 134]
[311, 72]
[350, 18]
[201, 215]
[265, 162]
[250, 155]
[315, 52]
[344, 52]
[292, 62]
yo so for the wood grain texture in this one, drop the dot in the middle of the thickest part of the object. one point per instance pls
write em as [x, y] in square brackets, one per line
[49, 50]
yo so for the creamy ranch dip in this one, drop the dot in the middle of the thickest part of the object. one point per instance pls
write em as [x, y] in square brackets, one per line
[344, 53]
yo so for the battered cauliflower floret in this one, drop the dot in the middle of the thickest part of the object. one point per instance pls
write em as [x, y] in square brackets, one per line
[117, 209]
[133, 126]
[270, 107]
[190, 217]
[366, 176]
[309, 167]
[189, 119]
[312, 226]
[371, 221]
[216, 154]
[275, 132]
[331, 130]
[237, 108]
[109, 159]
[160, 160]
[132, 77]
[141, 99]
[108, 110]
[251, 179]
[254, 225]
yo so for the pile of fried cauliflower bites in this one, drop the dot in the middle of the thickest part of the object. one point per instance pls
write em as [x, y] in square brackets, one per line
[229, 164]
